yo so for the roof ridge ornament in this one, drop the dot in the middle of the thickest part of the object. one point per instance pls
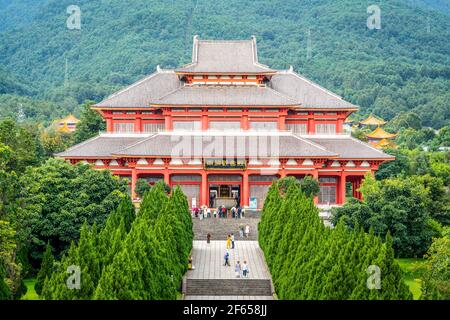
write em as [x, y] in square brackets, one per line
[195, 49]
[255, 49]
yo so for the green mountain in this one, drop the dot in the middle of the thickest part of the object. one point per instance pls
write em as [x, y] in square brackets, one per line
[403, 66]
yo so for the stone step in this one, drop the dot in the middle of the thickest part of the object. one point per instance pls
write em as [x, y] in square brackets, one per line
[228, 287]
[220, 228]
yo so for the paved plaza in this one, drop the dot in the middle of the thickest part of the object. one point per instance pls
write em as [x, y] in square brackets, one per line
[208, 260]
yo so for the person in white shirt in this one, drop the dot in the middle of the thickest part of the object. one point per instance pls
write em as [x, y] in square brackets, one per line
[247, 230]
[237, 269]
[245, 270]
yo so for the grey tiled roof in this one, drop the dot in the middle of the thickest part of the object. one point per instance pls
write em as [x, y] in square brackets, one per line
[306, 92]
[186, 145]
[139, 94]
[285, 88]
[99, 147]
[224, 56]
[225, 95]
[348, 147]
[160, 145]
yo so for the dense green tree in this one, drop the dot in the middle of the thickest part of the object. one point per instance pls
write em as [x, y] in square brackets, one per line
[5, 292]
[436, 281]
[22, 144]
[91, 123]
[46, 269]
[142, 186]
[394, 74]
[310, 261]
[310, 186]
[403, 207]
[57, 197]
[133, 257]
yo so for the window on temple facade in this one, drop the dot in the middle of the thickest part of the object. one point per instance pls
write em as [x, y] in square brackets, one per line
[259, 192]
[123, 127]
[263, 125]
[153, 127]
[326, 128]
[187, 125]
[300, 128]
[186, 178]
[225, 125]
[328, 188]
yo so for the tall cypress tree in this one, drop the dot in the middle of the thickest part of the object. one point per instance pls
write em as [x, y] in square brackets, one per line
[46, 269]
[5, 292]
[310, 261]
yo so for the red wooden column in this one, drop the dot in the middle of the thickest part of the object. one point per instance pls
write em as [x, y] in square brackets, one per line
[245, 189]
[342, 185]
[204, 190]
[167, 177]
[244, 123]
[315, 175]
[205, 122]
[168, 122]
[339, 127]
[282, 123]
[109, 125]
[311, 123]
[166, 172]
[134, 177]
[138, 124]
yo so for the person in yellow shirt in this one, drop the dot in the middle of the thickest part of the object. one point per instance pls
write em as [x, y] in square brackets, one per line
[228, 241]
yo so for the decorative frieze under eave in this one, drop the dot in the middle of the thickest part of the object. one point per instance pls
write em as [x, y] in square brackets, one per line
[352, 164]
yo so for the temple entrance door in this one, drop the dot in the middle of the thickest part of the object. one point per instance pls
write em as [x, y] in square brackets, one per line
[224, 189]
[228, 195]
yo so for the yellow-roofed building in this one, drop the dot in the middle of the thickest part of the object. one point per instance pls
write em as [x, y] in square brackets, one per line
[385, 144]
[372, 121]
[68, 124]
[381, 139]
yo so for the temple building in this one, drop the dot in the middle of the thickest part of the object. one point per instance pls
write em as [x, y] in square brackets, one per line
[372, 121]
[380, 139]
[224, 126]
[66, 125]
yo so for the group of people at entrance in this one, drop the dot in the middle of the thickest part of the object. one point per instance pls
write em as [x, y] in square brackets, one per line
[204, 212]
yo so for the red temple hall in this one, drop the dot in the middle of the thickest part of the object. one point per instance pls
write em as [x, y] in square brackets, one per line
[224, 126]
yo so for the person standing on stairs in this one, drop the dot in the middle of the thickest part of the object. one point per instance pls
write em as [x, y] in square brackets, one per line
[228, 241]
[245, 270]
[227, 258]
[247, 230]
[232, 241]
[237, 269]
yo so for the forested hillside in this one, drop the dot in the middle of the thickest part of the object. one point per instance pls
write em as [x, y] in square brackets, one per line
[403, 66]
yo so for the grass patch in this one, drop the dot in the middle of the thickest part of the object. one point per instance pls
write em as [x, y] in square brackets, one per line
[412, 274]
[31, 294]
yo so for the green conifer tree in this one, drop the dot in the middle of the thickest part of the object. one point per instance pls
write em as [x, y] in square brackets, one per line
[46, 269]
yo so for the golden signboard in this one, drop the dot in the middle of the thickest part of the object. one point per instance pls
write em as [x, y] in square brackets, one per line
[225, 164]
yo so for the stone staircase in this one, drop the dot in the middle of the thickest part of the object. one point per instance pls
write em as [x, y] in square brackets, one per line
[219, 228]
[228, 287]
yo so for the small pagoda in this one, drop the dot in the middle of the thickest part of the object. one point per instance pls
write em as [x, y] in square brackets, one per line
[381, 139]
[67, 125]
[372, 121]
